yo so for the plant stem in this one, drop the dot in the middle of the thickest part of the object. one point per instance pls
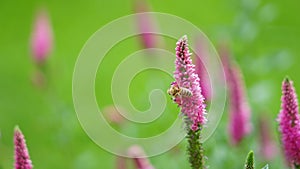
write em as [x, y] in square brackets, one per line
[195, 149]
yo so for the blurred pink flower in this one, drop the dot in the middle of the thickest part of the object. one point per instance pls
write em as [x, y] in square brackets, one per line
[201, 58]
[139, 157]
[22, 159]
[239, 110]
[240, 124]
[185, 75]
[268, 148]
[145, 23]
[289, 123]
[41, 39]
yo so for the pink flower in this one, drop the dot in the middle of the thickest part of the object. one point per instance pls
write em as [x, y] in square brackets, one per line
[240, 124]
[202, 72]
[138, 154]
[239, 110]
[22, 159]
[41, 39]
[289, 123]
[186, 78]
[145, 24]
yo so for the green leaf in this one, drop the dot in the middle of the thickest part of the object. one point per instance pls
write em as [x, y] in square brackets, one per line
[266, 167]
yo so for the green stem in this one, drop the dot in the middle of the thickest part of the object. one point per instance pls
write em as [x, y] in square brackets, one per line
[195, 149]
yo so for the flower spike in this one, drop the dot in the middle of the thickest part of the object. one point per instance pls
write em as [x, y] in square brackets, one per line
[186, 93]
[22, 159]
[239, 109]
[41, 39]
[289, 124]
[185, 76]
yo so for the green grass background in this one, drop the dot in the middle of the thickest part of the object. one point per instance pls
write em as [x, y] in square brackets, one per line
[263, 35]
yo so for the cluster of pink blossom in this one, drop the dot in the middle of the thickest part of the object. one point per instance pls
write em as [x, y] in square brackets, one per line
[289, 123]
[185, 77]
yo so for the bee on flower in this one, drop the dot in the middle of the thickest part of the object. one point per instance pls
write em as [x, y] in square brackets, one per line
[175, 90]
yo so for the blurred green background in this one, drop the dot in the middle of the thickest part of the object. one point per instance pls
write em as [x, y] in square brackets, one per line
[263, 36]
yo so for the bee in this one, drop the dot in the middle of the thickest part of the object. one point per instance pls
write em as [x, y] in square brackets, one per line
[175, 90]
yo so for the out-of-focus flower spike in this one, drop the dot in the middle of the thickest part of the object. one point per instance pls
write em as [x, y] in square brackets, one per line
[201, 58]
[22, 159]
[146, 23]
[240, 124]
[289, 124]
[268, 148]
[41, 38]
[139, 157]
[239, 110]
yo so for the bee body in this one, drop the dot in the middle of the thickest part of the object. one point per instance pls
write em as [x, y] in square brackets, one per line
[185, 92]
[175, 90]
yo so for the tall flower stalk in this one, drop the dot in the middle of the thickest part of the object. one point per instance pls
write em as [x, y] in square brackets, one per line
[289, 124]
[22, 159]
[186, 93]
[145, 23]
[41, 46]
[239, 110]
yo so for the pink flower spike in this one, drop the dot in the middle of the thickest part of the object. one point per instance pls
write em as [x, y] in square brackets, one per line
[185, 75]
[41, 38]
[22, 159]
[289, 123]
[201, 58]
[239, 125]
[239, 110]
[138, 154]
[145, 23]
